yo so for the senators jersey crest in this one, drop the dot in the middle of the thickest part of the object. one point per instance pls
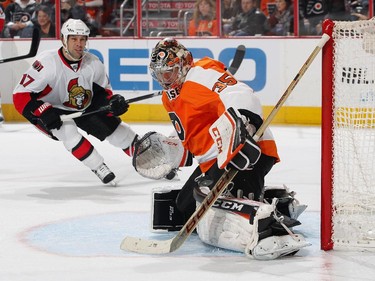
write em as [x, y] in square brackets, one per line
[79, 97]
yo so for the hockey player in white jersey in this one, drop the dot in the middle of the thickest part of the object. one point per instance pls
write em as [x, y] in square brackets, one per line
[68, 80]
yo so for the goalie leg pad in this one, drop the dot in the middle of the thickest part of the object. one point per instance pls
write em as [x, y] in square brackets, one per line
[278, 246]
[165, 215]
[225, 229]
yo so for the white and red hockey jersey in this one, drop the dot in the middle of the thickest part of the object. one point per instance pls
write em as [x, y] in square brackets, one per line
[66, 86]
[206, 93]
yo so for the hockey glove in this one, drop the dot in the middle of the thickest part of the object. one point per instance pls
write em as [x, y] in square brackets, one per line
[118, 105]
[235, 146]
[48, 117]
[247, 157]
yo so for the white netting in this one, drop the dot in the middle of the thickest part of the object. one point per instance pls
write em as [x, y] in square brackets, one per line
[354, 135]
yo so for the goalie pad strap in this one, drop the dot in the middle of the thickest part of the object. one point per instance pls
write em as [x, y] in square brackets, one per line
[244, 207]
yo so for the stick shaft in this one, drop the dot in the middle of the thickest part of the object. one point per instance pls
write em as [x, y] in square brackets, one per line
[291, 86]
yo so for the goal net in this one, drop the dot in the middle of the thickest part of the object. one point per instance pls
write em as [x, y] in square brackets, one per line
[348, 136]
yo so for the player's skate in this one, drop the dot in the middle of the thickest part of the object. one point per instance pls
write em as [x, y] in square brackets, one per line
[105, 174]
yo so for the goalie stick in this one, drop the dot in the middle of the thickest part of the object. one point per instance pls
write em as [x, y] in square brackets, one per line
[33, 48]
[146, 246]
[233, 68]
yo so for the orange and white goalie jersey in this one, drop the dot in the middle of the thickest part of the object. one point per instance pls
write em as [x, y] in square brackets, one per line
[66, 86]
[206, 93]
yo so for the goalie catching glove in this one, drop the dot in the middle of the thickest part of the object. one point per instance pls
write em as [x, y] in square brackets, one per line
[156, 156]
[236, 146]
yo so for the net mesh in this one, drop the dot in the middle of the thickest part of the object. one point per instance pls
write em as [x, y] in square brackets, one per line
[354, 135]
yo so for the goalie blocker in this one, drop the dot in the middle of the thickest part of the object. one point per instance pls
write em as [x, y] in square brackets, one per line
[233, 140]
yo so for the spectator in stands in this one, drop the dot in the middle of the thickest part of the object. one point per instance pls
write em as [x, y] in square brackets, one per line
[359, 10]
[250, 22]
[94, 10]
[18, 15]
[44, 23]
[267, 7]
[227, 9]
[311, 15]
[2, 19]
[70, 10]
[204, 21]
[5, 3]
[50, 4]
[338, 10]
[280, 22]
[313, 12]
[227, 15]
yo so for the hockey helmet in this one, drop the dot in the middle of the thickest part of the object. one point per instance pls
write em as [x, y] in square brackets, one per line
[74, 27]
[170, 63]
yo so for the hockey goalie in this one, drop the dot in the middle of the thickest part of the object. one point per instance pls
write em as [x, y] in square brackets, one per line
[215, 117]
[261, 228]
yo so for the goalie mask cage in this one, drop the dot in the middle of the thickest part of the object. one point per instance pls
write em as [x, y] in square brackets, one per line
[348, 136]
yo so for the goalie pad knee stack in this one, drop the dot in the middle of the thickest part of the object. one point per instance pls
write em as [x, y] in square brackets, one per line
[248, 226]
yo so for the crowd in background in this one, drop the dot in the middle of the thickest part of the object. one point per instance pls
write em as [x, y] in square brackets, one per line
[18, 18]
[238, 17]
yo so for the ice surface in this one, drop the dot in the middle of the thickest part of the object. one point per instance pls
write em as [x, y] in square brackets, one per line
[58, 222]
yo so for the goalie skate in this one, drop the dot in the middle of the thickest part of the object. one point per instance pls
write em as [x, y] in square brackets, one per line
[278, 246]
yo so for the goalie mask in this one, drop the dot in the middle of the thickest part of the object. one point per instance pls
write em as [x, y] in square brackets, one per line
[170, 63]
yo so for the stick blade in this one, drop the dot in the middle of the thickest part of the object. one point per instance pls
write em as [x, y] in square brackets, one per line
[143, 246]
[237, 60]
[241, 48]
[33, 48]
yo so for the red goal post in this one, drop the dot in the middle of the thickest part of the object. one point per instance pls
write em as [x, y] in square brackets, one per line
[348, 136]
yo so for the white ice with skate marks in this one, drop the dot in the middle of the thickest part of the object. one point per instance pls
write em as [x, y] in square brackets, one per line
[59, 222]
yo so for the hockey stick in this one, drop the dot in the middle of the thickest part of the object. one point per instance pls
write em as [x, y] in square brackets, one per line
[233, 68]
[33, 48]
[146, 246]
[237, 59]
[105, 108]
